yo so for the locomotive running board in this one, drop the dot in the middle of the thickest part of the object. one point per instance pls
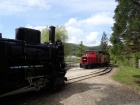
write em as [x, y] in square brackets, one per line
[22, 90]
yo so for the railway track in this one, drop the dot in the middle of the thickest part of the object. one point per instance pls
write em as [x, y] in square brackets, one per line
[88, 75]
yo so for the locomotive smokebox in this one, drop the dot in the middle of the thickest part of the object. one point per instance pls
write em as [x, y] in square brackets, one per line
[0, 35]
[52, 34]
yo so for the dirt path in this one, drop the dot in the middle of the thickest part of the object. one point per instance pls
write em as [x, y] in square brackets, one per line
[99, 90]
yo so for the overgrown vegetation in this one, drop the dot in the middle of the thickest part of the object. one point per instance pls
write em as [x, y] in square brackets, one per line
[125, 38]
[128, 75]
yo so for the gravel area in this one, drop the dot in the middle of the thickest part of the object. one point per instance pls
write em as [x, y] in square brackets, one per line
[99, 90]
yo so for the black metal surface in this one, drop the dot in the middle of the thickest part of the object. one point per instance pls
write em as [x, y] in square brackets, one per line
[31, 36]
[25, 62]
[0, 35]
[52, 34]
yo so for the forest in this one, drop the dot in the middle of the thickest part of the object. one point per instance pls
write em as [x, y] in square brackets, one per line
[125, 38]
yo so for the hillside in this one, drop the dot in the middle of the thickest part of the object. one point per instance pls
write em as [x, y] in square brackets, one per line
[73, 47]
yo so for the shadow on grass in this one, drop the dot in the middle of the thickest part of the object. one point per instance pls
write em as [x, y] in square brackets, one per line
[137, 79]
[137, 76]
[113, 65]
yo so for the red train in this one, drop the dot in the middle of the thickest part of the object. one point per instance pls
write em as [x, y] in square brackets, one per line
[94, 58]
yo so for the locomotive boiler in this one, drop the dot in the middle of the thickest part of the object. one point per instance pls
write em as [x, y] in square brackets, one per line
[27, 64]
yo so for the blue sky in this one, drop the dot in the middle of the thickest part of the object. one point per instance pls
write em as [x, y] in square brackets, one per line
[85, 20]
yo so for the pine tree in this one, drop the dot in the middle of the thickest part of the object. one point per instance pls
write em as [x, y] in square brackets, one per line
[104, 42]
[126, 30]
[80, 50]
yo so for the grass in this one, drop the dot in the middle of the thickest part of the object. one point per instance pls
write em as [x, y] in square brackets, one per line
[129, 76]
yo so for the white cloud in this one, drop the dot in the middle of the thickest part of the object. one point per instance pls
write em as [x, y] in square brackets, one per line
[104, 18]
[36, 27]
[72, 22]
[86, 30]
[99, 19]
[83, 19]
[72, 40]
[38, 3]
[74, 31]
[92, 39]
[74, 34]
[92, 36]
[22, 5]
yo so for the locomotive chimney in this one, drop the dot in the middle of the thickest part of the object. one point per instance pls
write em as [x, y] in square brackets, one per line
[0, 35]
[52, 34]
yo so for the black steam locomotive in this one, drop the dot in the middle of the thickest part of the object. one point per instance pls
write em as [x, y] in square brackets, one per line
[26, 64]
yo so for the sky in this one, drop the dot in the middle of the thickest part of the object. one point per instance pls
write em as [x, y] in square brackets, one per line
[85, 20]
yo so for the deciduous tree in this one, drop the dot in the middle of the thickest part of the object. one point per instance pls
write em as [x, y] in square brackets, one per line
[60, 33]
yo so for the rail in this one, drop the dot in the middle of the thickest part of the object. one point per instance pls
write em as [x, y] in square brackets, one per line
[89, 75]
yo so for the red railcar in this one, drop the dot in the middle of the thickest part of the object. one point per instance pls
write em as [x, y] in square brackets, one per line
[94, 58]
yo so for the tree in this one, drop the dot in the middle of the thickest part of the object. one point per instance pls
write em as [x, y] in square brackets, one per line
[104, 42]
[126, 30]
[80, 50]
[60, 33]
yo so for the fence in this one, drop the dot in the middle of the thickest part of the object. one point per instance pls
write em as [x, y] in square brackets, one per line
[72, 64]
